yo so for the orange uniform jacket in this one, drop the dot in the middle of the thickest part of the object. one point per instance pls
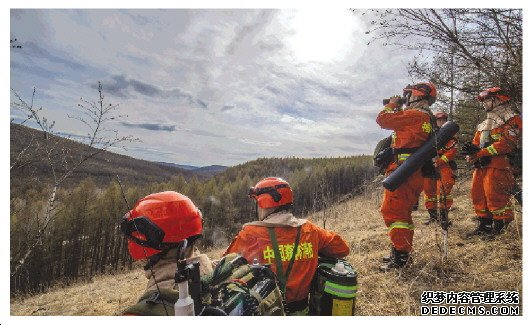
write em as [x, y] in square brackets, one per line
[411, 127]
[254, 242]
[504, 140]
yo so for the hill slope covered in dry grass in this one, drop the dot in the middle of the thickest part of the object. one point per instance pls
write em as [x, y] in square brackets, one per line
[471, 265]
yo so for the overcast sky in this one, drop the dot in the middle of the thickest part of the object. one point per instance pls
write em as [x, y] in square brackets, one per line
[207, 86]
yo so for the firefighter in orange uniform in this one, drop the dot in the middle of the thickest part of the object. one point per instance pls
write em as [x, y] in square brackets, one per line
[412, 127]
[437, 189]
[156, 228]
[289, 244]
[500, 134]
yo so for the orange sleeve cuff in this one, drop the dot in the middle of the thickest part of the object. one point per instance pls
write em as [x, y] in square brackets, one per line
[482, 153]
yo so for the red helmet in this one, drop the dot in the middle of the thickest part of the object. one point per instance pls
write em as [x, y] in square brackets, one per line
[160, 221]
[441, 115]
[271, 192]
[493, 92]
[423, 90]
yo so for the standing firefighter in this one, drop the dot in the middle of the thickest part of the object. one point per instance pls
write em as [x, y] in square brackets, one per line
[290, 244]
[437, 188]
[412, 127]
[496, 137]
[156, 228]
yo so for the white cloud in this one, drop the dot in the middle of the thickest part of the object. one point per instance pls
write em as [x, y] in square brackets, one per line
[220, 86]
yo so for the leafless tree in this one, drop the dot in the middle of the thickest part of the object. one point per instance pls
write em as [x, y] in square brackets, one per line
[95, 115]
[460, 49]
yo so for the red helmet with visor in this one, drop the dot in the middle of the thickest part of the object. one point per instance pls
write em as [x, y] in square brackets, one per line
[422, 90]
[271, 192]
[493, 92]
[159, 222]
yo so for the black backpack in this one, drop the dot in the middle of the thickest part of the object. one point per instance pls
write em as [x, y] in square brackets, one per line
[239, 289]
[234, 288]
[383, 154]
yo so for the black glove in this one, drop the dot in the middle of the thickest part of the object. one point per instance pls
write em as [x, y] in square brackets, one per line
[482, 162]
[469, 149]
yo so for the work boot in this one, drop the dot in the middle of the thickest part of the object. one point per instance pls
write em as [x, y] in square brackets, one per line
[396, 260]
[499, 227]
[433, 217]
[444, 219]
[484, 227]
[388, 258]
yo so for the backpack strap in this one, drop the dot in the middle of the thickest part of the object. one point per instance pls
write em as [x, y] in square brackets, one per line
[295, 251]
[282, 278]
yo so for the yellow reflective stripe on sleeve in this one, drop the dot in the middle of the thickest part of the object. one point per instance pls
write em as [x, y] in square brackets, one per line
[444, 158]
[400, 225]
[491, 149]
[496, 137]
[388, 109]
[403, 156]
[430, 199]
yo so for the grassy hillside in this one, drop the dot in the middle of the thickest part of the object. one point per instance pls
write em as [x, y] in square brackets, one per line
[471, 264]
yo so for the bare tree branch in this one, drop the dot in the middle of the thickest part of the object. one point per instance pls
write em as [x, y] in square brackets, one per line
[96, 114]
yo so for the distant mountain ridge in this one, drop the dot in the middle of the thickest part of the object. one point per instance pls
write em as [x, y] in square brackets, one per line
[204, 169]
[186, 167]
[32, 165]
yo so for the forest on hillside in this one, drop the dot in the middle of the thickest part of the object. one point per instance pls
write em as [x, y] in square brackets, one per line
[85, 238]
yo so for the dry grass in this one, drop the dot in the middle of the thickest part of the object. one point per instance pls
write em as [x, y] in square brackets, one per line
[472, 265]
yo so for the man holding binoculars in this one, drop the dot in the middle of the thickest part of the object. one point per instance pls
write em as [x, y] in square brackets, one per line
[412, 127]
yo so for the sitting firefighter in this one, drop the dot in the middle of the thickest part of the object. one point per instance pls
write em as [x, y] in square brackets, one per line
[163, 229]
[156, 228]
[290, 244]
[493, 181]
[437, 188]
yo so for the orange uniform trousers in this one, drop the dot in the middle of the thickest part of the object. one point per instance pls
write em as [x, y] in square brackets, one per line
[437, 191]
[397, 209]
[491, 191]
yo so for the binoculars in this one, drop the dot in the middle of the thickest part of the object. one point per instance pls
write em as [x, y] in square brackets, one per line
[401, 101]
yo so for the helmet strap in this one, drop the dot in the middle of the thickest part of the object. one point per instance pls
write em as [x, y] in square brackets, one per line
[408, 103]
[153, 259]
[491, 105]
[285, 207]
